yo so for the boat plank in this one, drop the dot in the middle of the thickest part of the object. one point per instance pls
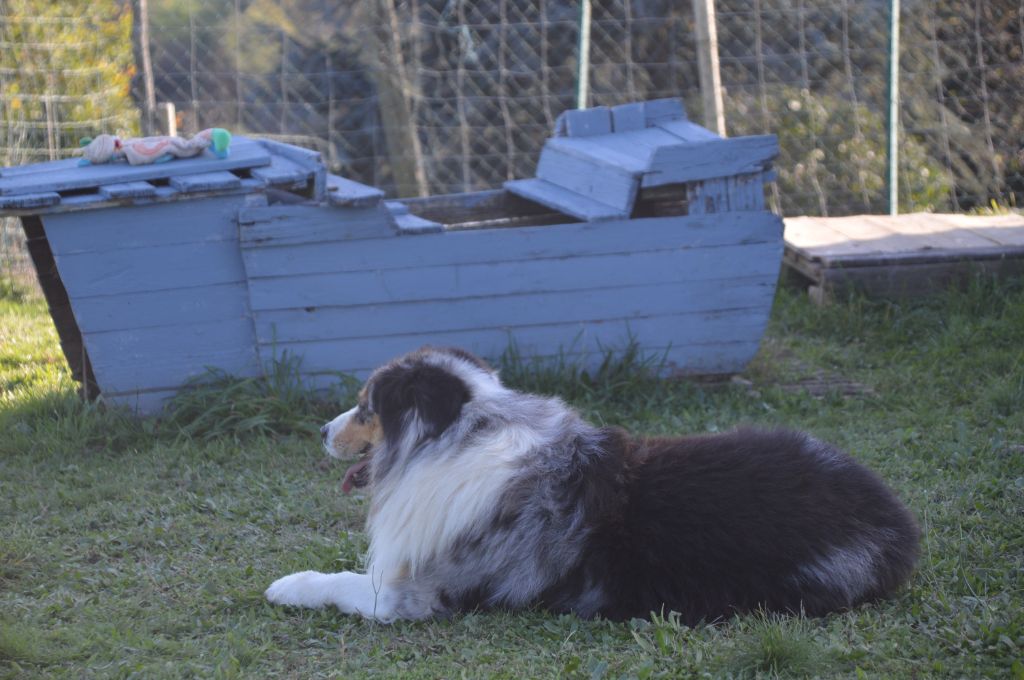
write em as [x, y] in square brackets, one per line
[591, 176]
[346, 192]
[628, 117]
[157, 358]
[564, 200]
[522, 243]
[162, 308]
[695, 161]
[149, 269]
[700, 359]
[621, 302]
[244, 154]
[205, 181]
[145, 226]
[685, 330]
[302, 223]
[502, 278]
[128, 190]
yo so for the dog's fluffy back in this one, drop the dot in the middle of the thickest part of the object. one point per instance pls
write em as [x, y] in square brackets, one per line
[485, 497]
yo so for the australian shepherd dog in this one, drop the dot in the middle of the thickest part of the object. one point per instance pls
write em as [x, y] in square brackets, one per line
[484, 497]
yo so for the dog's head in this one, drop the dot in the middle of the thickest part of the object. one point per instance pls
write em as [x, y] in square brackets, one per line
[404, 404]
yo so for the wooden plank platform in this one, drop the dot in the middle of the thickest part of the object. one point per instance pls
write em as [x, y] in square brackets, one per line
[901, 256]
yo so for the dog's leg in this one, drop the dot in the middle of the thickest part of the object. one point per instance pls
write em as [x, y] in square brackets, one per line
[349, 592]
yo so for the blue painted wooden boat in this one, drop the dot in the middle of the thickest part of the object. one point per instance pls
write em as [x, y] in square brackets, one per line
[639, 226]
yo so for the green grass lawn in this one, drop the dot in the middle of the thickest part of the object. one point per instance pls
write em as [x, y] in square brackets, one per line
[142, 548]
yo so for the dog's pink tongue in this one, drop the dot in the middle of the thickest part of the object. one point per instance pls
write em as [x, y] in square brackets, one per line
[350, 475]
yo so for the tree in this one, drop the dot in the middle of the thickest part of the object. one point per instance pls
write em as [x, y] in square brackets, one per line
[64, 74]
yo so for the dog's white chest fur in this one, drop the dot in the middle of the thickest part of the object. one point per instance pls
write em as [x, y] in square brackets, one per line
[421, 513]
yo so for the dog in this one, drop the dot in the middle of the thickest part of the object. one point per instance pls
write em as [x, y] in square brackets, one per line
[484, 497]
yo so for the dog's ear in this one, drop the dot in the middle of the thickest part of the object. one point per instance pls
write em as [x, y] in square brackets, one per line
[422, 395]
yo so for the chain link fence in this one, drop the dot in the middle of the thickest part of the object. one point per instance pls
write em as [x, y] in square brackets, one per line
[442, 96]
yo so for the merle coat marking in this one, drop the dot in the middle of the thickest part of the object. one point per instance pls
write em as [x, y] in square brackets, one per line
[485, 497]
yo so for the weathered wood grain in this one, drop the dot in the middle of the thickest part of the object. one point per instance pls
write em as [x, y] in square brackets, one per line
[307, 223]
[128, 190]
[283, 171]
[903, 256]
[565, 200]
[347, 193]
[709, 331]
[632, 159]
[674, 360]
[155, 358]
[305, 158]
[522, 243]
[174, 307]
[739, 193]
[413, 224]
[591, 176]
[536, 276]
[67, 174]
[148, 269]
[26, 201]
[694, 161]
[145, 226]
[513, 310]
[205, 181]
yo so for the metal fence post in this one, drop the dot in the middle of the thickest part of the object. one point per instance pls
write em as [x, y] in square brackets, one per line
[583, 68]
[894, 106]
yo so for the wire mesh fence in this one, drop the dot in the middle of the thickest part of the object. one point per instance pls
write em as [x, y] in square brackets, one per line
[441, 96]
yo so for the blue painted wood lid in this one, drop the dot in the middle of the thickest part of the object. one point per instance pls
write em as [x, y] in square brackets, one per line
[598, 159]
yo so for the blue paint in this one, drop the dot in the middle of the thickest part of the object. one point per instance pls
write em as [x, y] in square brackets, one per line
[177, 267]
[141, 226]
[346, 193]
[511, 310]
[165, 357]
[128, 190]
[67, 175]
[686, 332]
[564, 200]
[290, 224]
[26, 201]
[551, 243]
[205, 181]
[628, 117]
[500, 278]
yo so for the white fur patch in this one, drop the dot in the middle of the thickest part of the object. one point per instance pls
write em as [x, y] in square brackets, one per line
[351, 593]
[850, 570]
[336, 426]
[422, 511]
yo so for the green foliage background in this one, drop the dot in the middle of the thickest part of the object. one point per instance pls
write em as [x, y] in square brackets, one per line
[834, 157]
[65, 73]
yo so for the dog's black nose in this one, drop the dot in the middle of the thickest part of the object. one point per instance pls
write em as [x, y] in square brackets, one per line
[323, 433]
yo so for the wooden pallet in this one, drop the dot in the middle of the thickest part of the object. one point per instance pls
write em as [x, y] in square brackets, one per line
[901, 256]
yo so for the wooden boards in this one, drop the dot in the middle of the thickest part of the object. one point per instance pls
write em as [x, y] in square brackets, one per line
[158, 293]
[600, 158]
[902, 256]
[697, 289]
[251, 165]
[228, 263]
[68, 175]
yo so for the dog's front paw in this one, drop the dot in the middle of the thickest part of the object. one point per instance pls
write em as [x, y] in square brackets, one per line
[302, 589]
